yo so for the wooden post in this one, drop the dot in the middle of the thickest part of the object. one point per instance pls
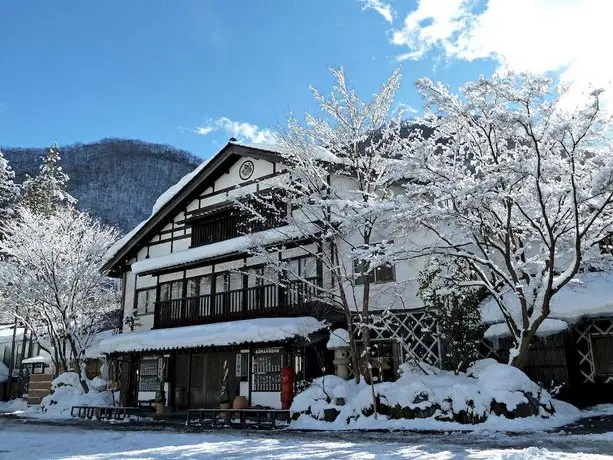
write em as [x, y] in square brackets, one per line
[189, 379]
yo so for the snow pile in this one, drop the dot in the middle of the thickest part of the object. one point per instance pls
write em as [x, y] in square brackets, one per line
[4, 372]
[339, 338]
[485, 394]
[67, 392]
[14, 406]
[587, 295]
[257, 330]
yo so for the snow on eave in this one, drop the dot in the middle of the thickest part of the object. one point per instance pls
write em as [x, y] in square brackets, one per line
[588, 295]
[234, 245]
[163, 204]
[548, 327]
[229, 333]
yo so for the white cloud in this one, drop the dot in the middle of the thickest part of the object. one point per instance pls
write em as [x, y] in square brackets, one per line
[241, 130]
[383, 9]
[566, 36]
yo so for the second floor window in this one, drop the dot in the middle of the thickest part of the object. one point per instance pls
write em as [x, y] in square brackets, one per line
[385, 273]
[145, 300]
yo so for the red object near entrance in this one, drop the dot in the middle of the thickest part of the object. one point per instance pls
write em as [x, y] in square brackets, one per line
[287, 387]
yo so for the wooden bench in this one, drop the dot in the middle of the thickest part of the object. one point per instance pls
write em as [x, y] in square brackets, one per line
[104, 412]
[237, 418]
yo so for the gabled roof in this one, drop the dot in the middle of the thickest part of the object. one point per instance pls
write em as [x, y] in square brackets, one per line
[166, 205]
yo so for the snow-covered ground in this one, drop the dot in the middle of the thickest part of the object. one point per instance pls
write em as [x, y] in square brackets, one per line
[24, 441]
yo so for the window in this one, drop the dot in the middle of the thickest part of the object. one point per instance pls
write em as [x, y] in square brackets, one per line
[171, 291]
[301, 267]
[602, 349]
[382, 274]
[145, 300]
[148, 374]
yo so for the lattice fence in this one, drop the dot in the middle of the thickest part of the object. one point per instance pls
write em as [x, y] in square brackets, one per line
[416, 332]
[583, 340]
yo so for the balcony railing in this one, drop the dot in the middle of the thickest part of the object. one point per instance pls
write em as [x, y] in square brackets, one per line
[230, 225]
[265, 300]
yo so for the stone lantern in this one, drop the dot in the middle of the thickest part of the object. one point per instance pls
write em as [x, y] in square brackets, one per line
[339, 342]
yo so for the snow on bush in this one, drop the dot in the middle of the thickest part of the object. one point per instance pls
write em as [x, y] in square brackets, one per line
[67, 392]
[487, 390]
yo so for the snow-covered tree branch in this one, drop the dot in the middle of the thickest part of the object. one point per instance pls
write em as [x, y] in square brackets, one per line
[52, 280]
[515, 186]
[336, 187]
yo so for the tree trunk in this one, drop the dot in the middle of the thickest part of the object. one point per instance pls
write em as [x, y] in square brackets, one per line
[82, 375]
[520, 358]
[366, 337]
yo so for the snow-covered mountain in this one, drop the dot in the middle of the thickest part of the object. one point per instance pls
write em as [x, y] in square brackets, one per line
[116, 180]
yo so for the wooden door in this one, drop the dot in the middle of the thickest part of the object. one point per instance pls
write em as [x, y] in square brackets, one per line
[197, 396]
[213, 377]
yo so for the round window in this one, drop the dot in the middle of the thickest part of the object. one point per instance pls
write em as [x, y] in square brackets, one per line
[246, 170]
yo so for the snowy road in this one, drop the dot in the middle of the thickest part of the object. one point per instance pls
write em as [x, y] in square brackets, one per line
[33, 441]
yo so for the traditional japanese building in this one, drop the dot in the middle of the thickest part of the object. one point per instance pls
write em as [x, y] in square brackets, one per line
[201, 311]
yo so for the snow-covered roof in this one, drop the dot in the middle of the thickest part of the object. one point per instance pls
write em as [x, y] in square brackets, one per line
[173, 192]
[6, 333]
[548, 327]
[43, 358]
[221, 248]
[587, 295]
[260, 330]
[94, 351]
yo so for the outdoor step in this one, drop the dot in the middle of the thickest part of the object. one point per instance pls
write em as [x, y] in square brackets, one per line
[40, 384]
[41, 377]
[38, 393]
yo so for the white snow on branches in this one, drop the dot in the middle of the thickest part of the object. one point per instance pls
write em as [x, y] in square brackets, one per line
[514, 185]
[52, 279]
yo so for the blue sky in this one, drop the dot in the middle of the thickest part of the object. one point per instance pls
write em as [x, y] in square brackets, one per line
[78, 71]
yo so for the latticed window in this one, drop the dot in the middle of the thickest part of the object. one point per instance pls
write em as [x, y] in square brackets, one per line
[148, 374]
[602, 348]
[267, 369]
[145, 300]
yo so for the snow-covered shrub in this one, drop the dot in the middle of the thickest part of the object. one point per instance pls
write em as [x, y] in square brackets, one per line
[487, 389]
[98, 384]
[67, 391]
[455, 308]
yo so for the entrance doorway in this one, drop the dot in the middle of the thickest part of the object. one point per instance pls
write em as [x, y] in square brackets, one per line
[205, 378]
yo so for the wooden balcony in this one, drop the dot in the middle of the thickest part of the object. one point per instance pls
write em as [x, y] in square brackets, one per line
[269, 300]
[231, 224]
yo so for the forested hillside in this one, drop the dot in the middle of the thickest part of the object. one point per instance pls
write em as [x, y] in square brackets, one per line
[116, 180]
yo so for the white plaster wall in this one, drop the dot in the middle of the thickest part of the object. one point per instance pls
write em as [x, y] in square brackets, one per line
[158, 250]
[146, 281]
[128, 300]
[266, 399]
